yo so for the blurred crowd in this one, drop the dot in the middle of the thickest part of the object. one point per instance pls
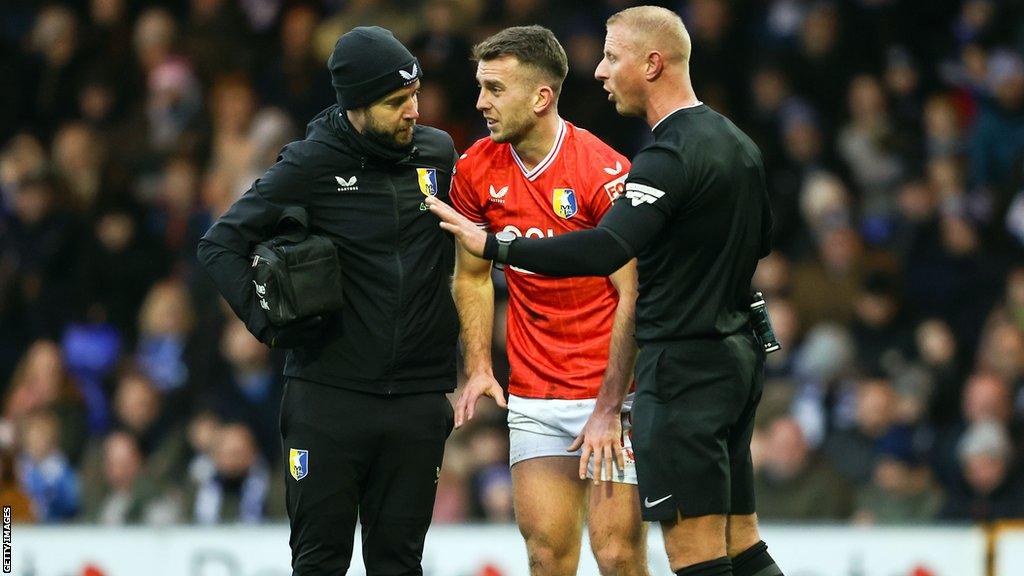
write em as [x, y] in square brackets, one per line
[893, 133]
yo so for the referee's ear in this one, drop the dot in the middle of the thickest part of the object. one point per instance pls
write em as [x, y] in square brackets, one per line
[654, 65]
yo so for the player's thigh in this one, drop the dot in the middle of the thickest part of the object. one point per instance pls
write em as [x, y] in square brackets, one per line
[614, 517]
[550, 502]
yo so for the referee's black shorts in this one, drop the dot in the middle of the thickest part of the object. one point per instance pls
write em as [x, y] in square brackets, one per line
[693, 418]
[350, 454]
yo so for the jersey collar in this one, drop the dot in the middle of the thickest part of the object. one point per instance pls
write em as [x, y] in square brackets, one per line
[665, 117]
[548, 160]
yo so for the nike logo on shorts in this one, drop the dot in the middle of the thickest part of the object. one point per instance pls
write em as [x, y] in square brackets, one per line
[649, 504]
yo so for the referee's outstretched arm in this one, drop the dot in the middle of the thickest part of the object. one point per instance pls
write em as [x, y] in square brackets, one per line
[621, 235]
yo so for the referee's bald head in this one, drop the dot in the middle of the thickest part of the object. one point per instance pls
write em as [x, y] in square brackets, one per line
[655, 29]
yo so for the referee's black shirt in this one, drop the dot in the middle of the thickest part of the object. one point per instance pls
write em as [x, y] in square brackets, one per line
[695, 213]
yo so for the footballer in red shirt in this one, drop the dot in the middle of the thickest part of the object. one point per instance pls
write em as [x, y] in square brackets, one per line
[570, 340]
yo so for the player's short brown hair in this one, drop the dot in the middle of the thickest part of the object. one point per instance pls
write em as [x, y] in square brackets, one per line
[533, 46]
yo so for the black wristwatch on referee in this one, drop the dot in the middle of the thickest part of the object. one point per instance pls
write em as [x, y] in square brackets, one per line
[505, 239]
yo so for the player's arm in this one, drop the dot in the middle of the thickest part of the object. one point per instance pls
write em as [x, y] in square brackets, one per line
[474, 299]
[602, 434]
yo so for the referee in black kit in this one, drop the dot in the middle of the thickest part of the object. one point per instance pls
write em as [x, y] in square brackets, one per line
[364, 417]
[696, 215]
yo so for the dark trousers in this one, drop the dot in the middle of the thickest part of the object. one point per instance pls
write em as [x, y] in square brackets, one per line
[350, 454]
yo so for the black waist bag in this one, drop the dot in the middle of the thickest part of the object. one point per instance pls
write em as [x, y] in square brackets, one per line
[296, 274]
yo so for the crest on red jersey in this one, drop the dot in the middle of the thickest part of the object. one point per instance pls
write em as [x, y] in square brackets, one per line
[563, 200]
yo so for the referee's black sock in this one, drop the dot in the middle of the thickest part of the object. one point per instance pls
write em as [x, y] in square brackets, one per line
[717, 567]
[755, 561]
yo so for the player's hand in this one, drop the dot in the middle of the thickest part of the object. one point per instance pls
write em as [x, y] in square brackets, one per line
[470, 235]
[601, 438]
[481, 384]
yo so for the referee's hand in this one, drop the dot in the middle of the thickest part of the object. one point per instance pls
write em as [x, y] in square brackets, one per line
[470, 235]
[601, 438]
[481, 384]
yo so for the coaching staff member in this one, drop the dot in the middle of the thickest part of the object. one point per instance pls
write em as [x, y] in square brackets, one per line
[696, 215]
[364, 416]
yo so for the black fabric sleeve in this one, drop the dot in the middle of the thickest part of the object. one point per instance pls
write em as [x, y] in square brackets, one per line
[653, 193]
[621, 235]
[593, 252]
[225, 248]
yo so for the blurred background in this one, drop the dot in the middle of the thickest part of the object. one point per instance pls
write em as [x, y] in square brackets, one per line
[893, 134]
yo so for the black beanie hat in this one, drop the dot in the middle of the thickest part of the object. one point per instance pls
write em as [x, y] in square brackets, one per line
[368, 62]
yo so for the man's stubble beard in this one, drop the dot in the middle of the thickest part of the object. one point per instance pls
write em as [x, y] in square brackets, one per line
[513, 134]
[385, 136]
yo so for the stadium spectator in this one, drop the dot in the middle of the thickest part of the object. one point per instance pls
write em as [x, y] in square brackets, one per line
[167, 352]
[795, 483]
[488, 452]
[175, 217]
[805, 153]
[788, 331]
[770, 95]
[901, 490]
[291, 80]
[248, 388]
[938, 355]
[869, 144]
[239, 488]
[990, 486]
[881, 328]
[212, 38]
[202, 433]
[823, 367]
[825, 290]
[998, 136]
[855, 450]
[41, 383]
[125, 495]
[452, 502]
[46, 474]
[53, 78]
[444, 49]
[116, 269]
[986, 398]
[942, 131]
[11, 491]
[1003, 353]
[821, 49]
[38, 244]
[139, 411]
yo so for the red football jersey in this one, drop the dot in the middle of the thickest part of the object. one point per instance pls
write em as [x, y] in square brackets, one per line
[558, 328]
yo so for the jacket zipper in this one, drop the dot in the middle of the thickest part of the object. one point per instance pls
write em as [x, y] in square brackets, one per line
[401, 279]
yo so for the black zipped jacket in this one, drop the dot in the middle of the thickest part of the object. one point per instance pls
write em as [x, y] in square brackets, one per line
[397, 330]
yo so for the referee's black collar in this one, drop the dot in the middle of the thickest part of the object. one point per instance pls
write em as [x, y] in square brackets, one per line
[698, 107]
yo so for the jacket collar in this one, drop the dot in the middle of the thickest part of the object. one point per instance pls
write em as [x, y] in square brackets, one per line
[368, 149]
